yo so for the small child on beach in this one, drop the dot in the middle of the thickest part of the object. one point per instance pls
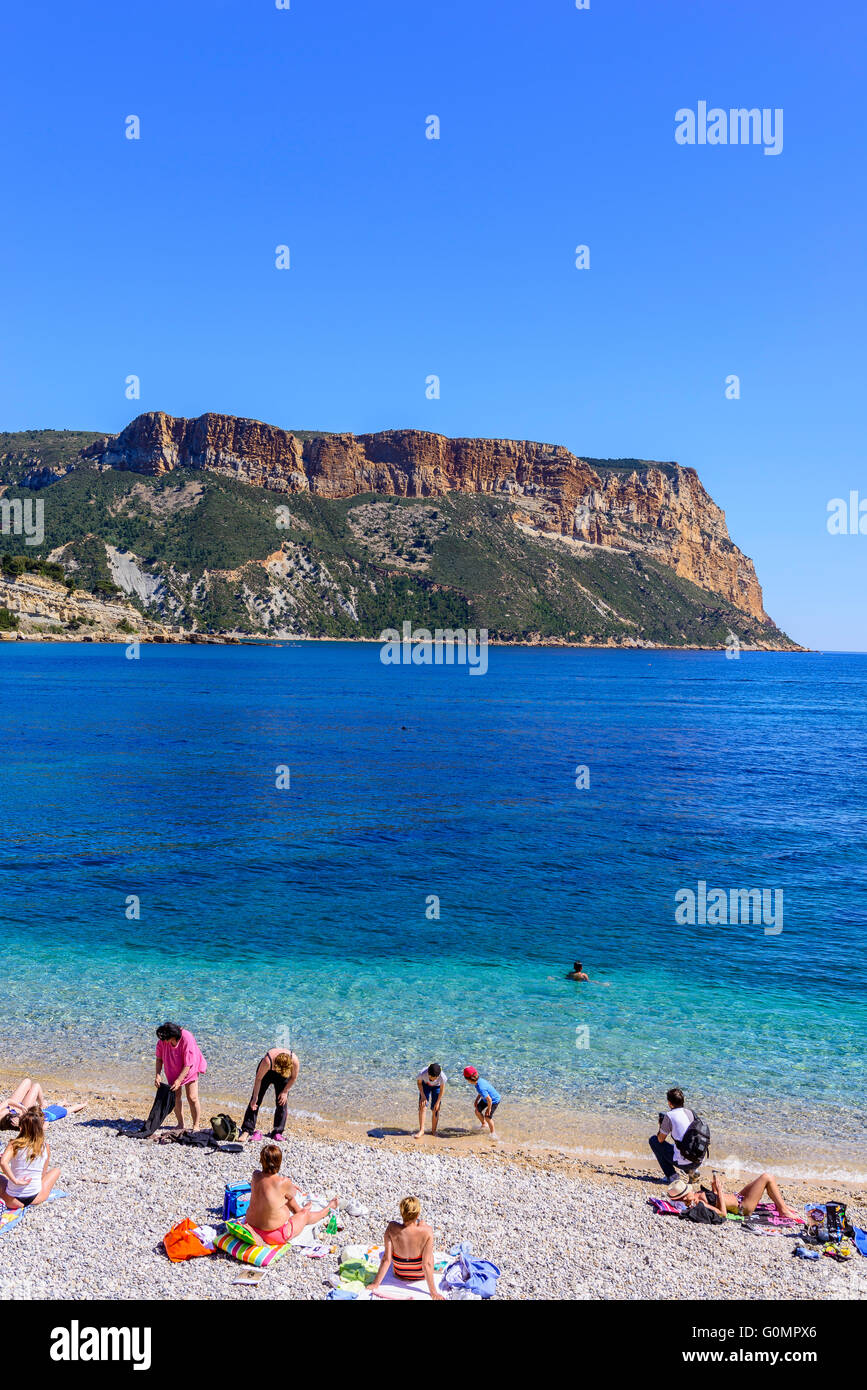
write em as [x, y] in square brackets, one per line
[486, 1101]
[431, 1088]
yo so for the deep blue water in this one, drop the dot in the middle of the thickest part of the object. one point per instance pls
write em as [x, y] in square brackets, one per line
[304, 908]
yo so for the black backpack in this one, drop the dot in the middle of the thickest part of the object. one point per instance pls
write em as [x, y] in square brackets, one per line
[223, 1128]
[694, 1147]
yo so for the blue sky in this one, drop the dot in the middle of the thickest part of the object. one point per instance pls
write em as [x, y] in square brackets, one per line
[455, 257]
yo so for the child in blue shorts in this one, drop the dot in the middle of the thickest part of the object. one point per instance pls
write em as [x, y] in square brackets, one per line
[486, 1101]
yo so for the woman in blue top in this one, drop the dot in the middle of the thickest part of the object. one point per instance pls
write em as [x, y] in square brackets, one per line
[487, 1099]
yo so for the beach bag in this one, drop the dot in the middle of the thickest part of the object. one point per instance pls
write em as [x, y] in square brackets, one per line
[223, 1127]
[182, 1243]
[469, 1275]
[694, 1147]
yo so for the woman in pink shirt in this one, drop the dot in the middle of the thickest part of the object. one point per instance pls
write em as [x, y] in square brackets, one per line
[179, 1056]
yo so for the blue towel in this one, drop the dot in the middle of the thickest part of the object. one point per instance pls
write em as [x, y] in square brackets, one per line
[16, 1216]
[860, 1238]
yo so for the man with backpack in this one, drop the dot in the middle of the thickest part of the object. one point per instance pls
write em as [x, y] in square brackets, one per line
[682, 1142]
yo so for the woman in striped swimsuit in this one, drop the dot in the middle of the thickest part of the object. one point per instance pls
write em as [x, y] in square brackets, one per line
[409, 1248]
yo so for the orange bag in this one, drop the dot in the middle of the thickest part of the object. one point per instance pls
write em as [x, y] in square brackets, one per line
[182, 1244]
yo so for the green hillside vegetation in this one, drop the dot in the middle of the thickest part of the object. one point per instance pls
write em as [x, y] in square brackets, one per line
[25, 450]
[353, 566]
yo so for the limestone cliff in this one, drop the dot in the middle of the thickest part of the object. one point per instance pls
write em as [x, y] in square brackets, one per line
[659, 509]
[41, 608]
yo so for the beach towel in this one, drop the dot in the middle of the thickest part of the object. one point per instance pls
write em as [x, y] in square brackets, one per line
[403, 1289]
[767, 1221]
[471, 1275]
[9, 1218]
[663, 1207]
[770, 1228]
[359, 1265]
[358, 1271]
[766, 1214]
[258, 1255]
[312, 1235]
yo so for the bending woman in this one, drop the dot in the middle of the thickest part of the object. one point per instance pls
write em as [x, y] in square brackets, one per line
[26, 1177]
[179, 1055]
[409, 1248]
[278, 1068]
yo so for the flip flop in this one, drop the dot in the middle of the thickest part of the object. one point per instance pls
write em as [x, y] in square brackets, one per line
[277, 1138]
[256, 1136]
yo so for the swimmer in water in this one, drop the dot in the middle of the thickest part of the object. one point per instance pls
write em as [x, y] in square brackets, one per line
[577, 973]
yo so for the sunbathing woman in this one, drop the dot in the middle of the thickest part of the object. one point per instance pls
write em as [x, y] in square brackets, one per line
[29, 1093]
[26, 1177]
[742, 1203]
[275, 1213]
[409, 1248]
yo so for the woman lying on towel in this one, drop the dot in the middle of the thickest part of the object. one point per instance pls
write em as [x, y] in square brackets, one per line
[741, 1203]
[275, 1213]
[27, 1094]
[26, 1177]
[409, 1247]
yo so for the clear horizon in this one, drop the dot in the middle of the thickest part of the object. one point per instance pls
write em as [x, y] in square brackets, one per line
[456, 257]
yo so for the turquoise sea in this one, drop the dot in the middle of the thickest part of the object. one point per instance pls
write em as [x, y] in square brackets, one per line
[306, 911]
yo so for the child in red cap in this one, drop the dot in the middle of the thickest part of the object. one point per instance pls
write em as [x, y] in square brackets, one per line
[487, 1099]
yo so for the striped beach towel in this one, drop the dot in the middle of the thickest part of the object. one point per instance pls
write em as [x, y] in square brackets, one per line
[258, 1255]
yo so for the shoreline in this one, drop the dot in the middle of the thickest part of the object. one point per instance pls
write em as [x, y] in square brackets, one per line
[245, 639]
[558, 1229]
[603, 1145]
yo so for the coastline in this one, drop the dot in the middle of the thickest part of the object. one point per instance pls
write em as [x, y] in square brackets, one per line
[588, 1145]
[245, 639]
[558, 1226]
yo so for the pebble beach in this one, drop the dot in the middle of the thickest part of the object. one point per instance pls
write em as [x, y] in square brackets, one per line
[557, 1229]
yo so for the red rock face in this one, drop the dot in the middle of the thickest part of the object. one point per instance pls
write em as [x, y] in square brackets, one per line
[663, 511]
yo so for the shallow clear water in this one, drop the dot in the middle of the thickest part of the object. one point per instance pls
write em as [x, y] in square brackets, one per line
[305, 908]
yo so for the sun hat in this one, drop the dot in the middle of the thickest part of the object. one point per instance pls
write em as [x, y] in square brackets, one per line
[470, 1073]
[679, 1188]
